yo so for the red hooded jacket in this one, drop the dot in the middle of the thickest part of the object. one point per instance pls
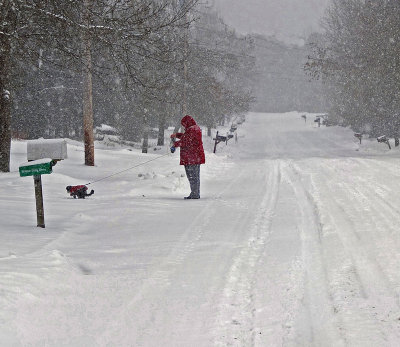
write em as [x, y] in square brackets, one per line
[191, 143]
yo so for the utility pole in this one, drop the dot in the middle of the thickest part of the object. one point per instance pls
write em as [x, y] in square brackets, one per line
[87, 86]
[185, 62]
[184, 109]
[185, 72]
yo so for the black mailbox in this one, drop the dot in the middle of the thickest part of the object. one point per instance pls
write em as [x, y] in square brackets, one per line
[384, 139]
[359, 136]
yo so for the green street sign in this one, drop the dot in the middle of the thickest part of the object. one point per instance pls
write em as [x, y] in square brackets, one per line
[35, 168]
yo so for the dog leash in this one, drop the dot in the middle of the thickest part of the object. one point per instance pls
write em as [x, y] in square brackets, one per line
[130, 168]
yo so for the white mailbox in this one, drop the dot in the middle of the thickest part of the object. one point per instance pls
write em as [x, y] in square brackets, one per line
[52, 148]
[42, 156]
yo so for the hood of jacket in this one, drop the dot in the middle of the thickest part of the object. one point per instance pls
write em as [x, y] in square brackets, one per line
[188, 121]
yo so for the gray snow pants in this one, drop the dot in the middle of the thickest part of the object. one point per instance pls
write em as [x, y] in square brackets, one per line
[193, 175]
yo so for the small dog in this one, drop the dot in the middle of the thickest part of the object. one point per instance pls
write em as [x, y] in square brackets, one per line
[79, 192]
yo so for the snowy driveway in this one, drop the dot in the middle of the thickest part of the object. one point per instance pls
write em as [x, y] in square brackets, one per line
[295, 242]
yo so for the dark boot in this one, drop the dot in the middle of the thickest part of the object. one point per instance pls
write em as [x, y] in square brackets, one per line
[191, 197]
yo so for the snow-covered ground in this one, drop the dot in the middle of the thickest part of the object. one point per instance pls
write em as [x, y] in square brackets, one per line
[295, 242]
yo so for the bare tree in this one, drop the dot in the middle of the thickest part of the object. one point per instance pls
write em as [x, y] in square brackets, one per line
[123, 31]
[358, 61]
[220, 71]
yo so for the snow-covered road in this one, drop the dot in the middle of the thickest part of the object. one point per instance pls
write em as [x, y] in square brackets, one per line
[295, 242]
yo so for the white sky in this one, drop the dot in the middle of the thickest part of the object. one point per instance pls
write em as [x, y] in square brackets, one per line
[288, 20]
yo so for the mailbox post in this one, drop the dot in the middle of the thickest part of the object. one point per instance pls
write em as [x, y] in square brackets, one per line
[359, 136]
[37, 180]
[384, 139]
[37, 168]
[42, 156]
[220, 138]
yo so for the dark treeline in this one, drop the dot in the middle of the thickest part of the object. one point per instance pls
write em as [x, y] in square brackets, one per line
[358, 61]
[133, 64]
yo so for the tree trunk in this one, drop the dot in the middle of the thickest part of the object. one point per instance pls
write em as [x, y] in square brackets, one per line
[208, 131]
[87, 88]
[77, 131]
[5, 104]
[66, 132]
[161, 128]
[145, 144]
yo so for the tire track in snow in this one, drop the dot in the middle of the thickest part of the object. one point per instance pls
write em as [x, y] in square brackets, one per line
[360, 289]
[236, 318]
[152, 291]
[317, 325]
[364, 203]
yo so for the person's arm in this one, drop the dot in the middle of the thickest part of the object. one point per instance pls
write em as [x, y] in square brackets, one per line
[177, 135]
[189, 139]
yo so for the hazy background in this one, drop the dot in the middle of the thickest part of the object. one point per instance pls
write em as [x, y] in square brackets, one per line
[288, 20]
[281, 30]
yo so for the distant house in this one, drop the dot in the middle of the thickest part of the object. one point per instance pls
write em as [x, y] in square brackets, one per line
[104, 129]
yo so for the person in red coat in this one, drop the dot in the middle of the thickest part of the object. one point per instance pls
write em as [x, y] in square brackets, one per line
[192, 153]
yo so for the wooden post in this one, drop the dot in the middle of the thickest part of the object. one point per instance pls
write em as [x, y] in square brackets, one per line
[87, 86]
[185, 77]
[37, 179]
[185, 65]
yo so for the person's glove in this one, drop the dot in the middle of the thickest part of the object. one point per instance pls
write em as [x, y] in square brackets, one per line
[173, 149]
[173, 136]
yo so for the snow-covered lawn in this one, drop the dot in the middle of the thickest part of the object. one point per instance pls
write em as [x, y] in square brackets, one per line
[294, 242]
